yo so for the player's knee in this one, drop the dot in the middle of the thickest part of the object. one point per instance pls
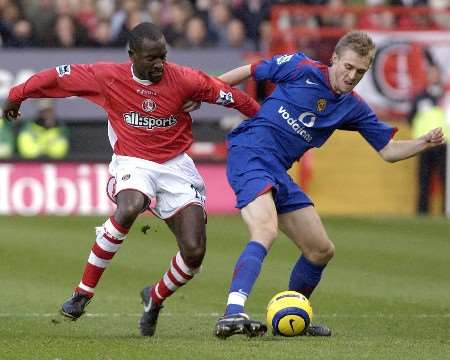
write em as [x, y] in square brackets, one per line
[325, 253]
[266, 233]
[321, 254]
[193, 255]
[125, 215]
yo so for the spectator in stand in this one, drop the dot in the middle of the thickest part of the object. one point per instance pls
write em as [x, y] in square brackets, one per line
[104, 9]
[196, 34]
[15, 30]
[219, 15]
[41, 14]
[127, 12]
[154, 9]
[265, 39]
[440, 16]
[9, 15]
[236, 38]
[427, 113]
[67, 33]
[10, 12]
[65, 7]
[102, 34]
[377, 20]
[22, 35]
[333, 16]
[252, 13]
[43, 137]
[5, 33]
[86, 16]
[134, 18]
[180, 13]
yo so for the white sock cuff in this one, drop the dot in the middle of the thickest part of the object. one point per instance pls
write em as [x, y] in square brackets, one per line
[182, 265]
[112, 230]
[236, 298]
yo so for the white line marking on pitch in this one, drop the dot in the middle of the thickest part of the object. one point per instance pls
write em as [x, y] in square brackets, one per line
[326, 316]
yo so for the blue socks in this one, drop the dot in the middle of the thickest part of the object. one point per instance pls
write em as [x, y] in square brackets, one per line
[305, 276]
[246, 272]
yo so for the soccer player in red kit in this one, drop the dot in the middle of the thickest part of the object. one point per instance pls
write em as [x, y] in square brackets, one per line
[149, 133]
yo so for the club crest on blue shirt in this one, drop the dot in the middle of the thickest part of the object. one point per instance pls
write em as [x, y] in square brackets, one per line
[148, 105]
[321, 104]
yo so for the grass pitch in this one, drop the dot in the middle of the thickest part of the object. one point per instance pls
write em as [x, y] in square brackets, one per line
[386, 294]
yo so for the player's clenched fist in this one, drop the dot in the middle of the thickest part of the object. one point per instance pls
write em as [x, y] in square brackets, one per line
[434, 137]
[11, 110]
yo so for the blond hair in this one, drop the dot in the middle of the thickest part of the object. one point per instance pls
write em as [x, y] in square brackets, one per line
[357, 41]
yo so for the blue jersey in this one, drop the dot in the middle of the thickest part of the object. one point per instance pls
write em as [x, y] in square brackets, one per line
[303, 111]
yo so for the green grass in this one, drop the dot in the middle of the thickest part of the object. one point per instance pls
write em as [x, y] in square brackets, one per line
[386, 294]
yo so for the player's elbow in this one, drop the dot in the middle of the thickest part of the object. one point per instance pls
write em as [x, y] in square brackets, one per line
[388, 154]
[388, 157]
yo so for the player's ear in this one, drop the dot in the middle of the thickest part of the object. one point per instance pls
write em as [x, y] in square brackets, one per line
[130, 53]
[333, 58]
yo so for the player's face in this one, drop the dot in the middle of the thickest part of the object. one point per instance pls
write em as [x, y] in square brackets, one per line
[347, 70]
[148, 60]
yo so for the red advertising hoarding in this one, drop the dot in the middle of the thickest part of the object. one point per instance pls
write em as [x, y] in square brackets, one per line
[80, 189]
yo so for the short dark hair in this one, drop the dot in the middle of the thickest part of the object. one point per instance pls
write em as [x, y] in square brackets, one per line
[143, 31]
[358, 41]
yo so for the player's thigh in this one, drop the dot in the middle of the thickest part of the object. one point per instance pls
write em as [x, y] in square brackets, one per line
[179, 185]
[305, 229]
[129, 174]
[260, 216]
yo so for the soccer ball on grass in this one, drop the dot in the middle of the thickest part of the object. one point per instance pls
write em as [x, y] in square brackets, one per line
[289, 313]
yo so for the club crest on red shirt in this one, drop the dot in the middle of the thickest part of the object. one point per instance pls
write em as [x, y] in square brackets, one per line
[148, 105]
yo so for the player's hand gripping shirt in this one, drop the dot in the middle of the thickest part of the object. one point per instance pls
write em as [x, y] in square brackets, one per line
[303, 111]
[145, 120]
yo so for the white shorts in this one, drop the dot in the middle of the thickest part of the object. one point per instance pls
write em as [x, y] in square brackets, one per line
[170, 186]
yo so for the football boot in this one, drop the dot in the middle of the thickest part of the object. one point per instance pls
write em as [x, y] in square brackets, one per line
[229, 325]
[149, 318]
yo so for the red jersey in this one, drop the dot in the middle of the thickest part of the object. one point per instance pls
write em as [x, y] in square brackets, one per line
[145, 119]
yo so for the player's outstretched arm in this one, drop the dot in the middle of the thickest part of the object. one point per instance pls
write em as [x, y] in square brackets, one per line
[236, 76]
[232, 77]
[10, 110]
[397, 150]
[60, 82]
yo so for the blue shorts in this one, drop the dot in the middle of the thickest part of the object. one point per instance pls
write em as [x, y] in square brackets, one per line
[252, 172]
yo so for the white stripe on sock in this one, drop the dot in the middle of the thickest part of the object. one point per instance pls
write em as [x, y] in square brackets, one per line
[111, 229]
[181, 264]
[177, 275]
[85, 287]
[95, 260]
[157, 292]
[107, 245]
[170, 285]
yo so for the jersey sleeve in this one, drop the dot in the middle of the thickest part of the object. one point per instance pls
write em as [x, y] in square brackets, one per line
[214, 91]
[376, 132]
[280, 68]
[60, 82]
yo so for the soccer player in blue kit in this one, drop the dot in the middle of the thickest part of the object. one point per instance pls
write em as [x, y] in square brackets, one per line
[310, 101]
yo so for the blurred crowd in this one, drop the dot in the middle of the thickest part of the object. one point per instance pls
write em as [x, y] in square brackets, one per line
[242, 24]
[105, 23]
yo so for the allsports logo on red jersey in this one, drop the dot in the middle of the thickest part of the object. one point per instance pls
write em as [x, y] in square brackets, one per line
[148, 122]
